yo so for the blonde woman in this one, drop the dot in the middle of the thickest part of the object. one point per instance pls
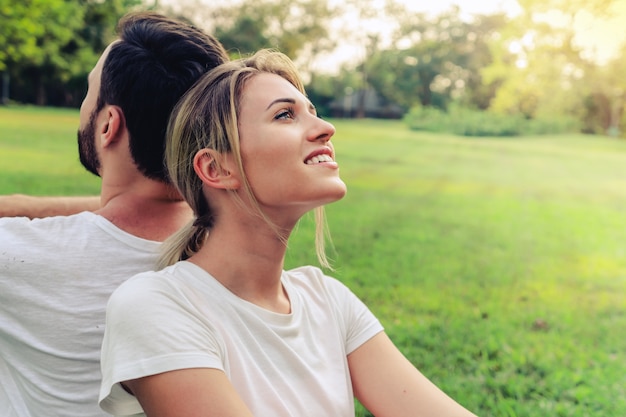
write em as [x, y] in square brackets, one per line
[223, 330]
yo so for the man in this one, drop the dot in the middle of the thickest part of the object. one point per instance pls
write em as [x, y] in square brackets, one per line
[57, 273]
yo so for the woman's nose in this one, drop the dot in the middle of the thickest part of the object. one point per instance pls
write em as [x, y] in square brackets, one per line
[323, 130]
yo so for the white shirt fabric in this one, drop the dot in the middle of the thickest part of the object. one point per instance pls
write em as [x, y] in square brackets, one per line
[280, 364]
[56, 275]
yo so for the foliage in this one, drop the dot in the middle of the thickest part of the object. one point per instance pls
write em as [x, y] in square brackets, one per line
[497, 267]
[24, 25]
[322, 89]
[38, 35]
[51, 45]
[297, 28]
[466, 122]
[531, 64]
[604, 99]
[550, 73]
[439, 60]
[554, 124]
[244, 36]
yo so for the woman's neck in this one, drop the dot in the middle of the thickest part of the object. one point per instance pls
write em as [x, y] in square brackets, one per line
[249, 264]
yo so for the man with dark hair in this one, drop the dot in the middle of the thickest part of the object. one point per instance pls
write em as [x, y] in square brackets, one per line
[57, 273]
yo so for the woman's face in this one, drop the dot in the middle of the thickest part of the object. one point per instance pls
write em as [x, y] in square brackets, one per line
[286, 150]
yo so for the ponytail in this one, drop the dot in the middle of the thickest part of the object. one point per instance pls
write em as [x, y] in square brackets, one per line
[182, 244]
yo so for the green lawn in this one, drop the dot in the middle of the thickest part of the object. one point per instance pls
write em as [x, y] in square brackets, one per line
[38, 153]
[497, 265]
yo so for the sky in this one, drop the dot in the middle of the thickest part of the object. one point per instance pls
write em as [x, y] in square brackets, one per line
[467, 6]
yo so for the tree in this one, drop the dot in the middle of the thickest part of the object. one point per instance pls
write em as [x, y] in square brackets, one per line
[604, 98]
[435, 60]
[552, 76]
[298, 28]
[33, 33]
[94, 34]
[50, 45]
[483, 37]
[244, 36]
[359, 23]
[547, 67]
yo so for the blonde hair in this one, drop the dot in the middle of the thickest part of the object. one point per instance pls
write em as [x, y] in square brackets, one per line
[207, 117]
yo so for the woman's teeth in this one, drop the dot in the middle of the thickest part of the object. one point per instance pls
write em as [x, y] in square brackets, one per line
[319, 158]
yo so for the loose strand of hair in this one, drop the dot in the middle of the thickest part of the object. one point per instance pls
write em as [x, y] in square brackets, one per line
[322, 235]
[175, 245]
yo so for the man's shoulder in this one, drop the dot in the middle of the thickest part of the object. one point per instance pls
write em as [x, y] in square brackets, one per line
[49, 233]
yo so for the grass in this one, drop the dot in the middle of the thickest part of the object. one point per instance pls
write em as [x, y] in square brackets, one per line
[38, 153]
[498, 266]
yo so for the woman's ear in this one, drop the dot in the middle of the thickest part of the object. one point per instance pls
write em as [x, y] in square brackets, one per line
[110, 129]
[215, 170]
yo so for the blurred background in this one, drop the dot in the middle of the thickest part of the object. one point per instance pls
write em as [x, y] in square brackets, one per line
[499, 67]
[496, 263]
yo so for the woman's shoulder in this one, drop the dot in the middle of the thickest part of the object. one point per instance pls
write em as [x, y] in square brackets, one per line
[172, 283]
[306, 273]
[314, 278]
[146, 286]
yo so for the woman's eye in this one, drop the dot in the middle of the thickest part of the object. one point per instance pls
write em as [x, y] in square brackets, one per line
[285, 114]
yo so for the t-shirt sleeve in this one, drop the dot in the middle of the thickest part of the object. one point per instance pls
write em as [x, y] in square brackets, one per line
[359, 322]
[151, 328]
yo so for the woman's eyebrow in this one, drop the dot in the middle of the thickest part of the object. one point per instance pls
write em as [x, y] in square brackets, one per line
[281, 100]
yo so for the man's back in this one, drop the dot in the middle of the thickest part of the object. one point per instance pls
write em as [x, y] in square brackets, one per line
[57, 274]
[52, 313]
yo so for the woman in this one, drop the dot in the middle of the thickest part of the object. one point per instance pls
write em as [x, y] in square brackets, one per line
[224, 330]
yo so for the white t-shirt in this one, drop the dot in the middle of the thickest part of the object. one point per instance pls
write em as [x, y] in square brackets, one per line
[56, 275]
[280, 364]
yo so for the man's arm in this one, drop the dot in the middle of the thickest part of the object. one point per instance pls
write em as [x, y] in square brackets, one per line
[21, 205]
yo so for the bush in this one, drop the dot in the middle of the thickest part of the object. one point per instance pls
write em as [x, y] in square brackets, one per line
[467, 122]
[430, 119]
[549, 125]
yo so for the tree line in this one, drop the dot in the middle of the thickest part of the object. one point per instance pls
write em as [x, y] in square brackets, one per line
[522, 65]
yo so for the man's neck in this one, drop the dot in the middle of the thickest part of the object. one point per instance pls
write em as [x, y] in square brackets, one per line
[151, 213]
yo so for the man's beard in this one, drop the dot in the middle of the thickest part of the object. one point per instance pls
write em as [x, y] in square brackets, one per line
[87, 146]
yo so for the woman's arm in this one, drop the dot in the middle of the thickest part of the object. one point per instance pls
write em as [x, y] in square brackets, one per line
[388, 385]
[198, 392]
[21, 205]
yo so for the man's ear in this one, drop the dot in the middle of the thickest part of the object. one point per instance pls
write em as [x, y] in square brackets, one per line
[216, 170]
[111, 127]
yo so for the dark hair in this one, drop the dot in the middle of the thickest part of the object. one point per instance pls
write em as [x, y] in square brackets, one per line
[153, 64]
